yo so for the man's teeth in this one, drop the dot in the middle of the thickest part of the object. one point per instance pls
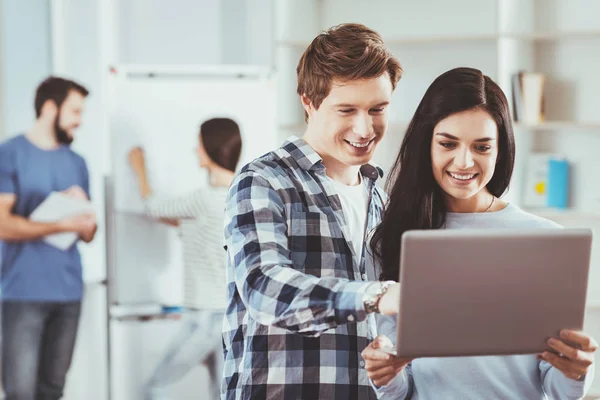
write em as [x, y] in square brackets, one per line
[462, 177]
[359, 145]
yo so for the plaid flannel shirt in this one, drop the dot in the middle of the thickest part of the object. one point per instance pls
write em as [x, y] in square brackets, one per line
[295, 323]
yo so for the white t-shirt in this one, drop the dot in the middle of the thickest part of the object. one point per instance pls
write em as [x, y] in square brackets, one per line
[355, 200]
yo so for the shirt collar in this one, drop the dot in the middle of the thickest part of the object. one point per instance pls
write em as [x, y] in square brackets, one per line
[308, 159]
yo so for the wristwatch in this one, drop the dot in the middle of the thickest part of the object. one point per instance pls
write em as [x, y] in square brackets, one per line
[373, 294]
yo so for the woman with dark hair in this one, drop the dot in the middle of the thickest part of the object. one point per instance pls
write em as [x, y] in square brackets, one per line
[455, 163]
[199, 216]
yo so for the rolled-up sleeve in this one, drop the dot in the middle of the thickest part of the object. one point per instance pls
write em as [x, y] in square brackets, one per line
[558, 386]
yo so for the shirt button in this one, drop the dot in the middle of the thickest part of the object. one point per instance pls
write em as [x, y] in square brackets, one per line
[362, 364]
[350, 318]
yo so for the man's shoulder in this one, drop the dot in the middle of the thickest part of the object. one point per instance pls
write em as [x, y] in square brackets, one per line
[76, 156]
[12, 144]
[276, 165]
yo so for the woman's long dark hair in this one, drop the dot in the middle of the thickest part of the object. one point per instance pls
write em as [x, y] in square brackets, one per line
[415, 199]
[222, 141]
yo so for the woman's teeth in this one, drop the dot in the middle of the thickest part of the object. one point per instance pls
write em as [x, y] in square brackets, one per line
[462, 177]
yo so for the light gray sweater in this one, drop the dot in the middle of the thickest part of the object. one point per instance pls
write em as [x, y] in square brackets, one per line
[490, 377]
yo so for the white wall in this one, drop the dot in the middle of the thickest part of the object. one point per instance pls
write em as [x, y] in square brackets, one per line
[26, 60]
[194, 31]
[170, 32]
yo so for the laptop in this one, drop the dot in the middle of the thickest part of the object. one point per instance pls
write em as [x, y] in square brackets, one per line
[490, 291]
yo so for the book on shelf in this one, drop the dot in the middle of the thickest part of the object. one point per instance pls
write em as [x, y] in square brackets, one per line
[528, 97]
[546, 181]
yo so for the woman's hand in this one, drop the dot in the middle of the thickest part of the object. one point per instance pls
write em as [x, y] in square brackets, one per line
[575, 353]
[381, 366]
[137, 161]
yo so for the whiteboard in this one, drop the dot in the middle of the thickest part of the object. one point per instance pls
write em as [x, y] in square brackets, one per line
[161, 109]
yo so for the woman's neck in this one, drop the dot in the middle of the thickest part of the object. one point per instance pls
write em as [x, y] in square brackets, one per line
[484, 201]
[219, 176]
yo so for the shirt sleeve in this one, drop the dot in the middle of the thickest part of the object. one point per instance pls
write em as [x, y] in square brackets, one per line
[181, 207]
[402, 386]
[7, 170]
[86, 179]
[259, 255]
[558, 386]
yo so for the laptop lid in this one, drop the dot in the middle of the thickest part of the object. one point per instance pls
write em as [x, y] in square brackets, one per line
[490, 291]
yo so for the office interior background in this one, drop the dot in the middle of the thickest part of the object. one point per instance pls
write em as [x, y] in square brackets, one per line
[93, 40]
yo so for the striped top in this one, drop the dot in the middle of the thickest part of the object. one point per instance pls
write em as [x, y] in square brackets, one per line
[201, 228]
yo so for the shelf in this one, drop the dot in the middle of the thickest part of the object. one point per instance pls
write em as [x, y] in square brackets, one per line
[442, 39]
[547, 36]
[593, 305]
[556, 125]
[469, 38]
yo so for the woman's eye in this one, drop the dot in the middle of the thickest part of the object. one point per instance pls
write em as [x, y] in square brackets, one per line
[346, 111]
[483, 149]
[448, 145]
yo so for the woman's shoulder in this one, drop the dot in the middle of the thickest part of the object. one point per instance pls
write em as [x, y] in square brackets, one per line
[526, 219]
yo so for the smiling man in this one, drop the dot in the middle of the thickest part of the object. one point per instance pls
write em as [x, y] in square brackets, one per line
[296, 221]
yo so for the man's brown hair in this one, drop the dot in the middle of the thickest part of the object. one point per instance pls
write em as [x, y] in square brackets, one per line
[55, 89]
[345, 52]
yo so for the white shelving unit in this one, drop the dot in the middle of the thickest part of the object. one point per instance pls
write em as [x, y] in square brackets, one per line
[559, 38]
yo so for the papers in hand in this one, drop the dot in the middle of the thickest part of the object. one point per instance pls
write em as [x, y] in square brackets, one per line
[58, 206]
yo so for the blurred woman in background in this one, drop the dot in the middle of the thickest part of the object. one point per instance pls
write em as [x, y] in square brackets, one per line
[199, 215]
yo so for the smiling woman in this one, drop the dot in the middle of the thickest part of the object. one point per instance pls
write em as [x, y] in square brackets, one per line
[455, 162]
[457, 156]
[464, 152]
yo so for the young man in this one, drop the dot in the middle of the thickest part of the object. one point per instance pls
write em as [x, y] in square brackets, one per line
[296, 221]
[41, 286]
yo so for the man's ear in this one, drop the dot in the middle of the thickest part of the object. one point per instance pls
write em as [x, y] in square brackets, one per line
[49, 108]
[306, 104]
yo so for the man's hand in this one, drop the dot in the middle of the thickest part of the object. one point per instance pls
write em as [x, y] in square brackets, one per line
[382, 367]
[576, 352]
[389, 303]
[137, 160]
[76, 192]
[83, 224]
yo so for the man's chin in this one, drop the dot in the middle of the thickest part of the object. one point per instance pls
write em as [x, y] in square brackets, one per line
[355, 161]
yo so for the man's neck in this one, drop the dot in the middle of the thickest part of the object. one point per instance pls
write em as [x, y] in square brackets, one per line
[336, 170]
[42, 136]
[342, 173]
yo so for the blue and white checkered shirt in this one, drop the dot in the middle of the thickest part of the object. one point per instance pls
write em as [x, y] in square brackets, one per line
[295, 322]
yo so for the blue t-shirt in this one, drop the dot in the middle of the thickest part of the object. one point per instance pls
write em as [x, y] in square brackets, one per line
[34, 270]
